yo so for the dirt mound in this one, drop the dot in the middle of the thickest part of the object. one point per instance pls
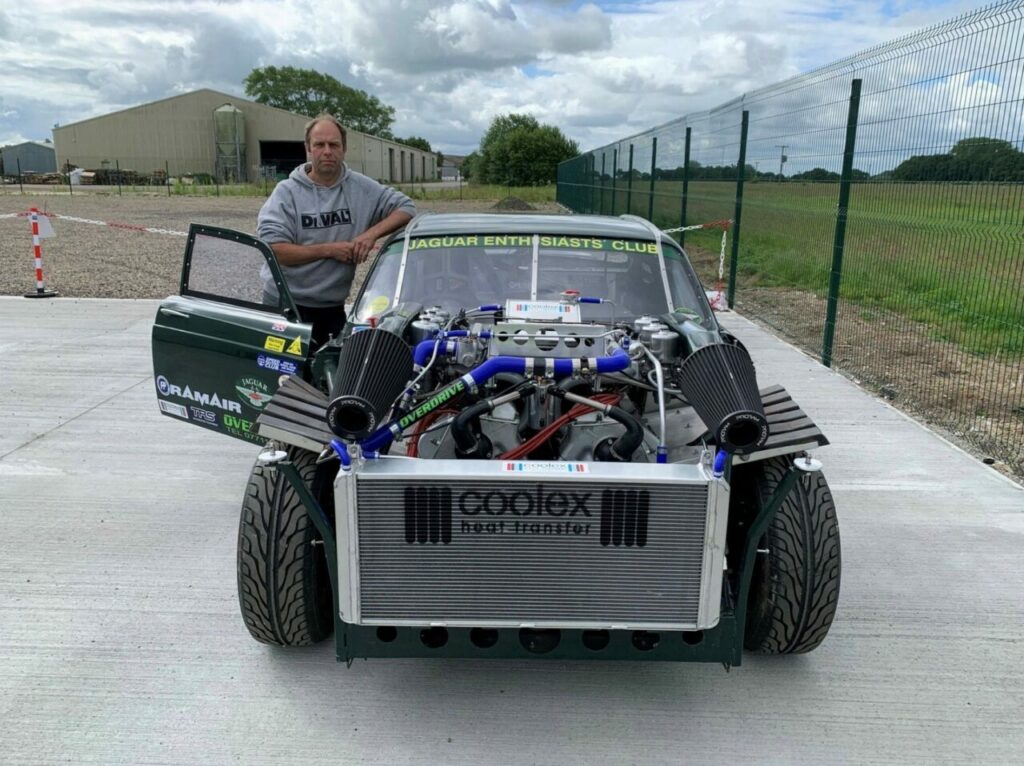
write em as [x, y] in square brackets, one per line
[513, 203]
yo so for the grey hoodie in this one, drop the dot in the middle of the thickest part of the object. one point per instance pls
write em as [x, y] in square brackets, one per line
[304, 213]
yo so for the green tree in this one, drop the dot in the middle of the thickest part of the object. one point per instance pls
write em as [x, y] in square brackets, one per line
[415, 142]
[309, 92]
[470, 167]
[519, 151]
[970, 159]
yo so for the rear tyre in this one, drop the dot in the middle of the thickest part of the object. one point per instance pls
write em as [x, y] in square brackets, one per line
[795, 587]
[284, 588]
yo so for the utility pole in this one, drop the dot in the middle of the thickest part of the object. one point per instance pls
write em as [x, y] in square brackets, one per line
[782, 157]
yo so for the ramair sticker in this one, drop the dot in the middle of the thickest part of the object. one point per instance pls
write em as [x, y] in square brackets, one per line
[166, 388]
[273, 343]
[285, 366]
[254, 391]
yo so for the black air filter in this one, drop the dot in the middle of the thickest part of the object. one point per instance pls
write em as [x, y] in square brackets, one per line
[373, 368]
[719, 381]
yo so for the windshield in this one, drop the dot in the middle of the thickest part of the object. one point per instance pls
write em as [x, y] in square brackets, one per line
[463, 272]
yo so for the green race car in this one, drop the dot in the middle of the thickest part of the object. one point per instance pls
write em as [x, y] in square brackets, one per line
[532, 439]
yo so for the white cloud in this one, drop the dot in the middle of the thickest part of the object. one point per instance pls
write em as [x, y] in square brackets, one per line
[598, 70]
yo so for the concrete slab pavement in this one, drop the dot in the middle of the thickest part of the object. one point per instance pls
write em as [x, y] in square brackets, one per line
[121, 642]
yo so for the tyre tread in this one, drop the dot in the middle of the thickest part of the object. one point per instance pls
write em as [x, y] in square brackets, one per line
[277, 559]
[800, 592]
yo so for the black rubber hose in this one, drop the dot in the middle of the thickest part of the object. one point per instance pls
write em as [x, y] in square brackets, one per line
[470, 441]
[609, 450]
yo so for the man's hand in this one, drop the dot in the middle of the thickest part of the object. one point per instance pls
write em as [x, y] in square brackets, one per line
[338, 251]
[362, 246]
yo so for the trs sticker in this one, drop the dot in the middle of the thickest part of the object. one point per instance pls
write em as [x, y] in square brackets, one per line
[255, 392]
[546, 467]
[167, 388]
[295, 347]
[172, 409]
[277, 365]
[274, 344]
[203, 416]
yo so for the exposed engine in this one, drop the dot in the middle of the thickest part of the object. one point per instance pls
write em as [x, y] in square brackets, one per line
[513, 383]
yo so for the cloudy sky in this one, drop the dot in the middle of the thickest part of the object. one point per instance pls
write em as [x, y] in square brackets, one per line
[597, 70]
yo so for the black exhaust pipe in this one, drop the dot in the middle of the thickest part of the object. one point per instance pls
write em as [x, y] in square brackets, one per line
[374, 367]
[719, 382]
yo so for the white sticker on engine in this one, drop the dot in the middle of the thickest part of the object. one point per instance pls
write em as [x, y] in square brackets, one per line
[515, 466]
[548, 311]
[173, 409]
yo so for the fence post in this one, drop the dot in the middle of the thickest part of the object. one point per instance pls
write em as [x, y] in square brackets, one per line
[600, 207]
[167, 178]
[592, 183]
[742, 168]
[629, 183]
[839, 241]
[654, 167]
[117, 165]
[615, 172]
[21, 183]
[67, 168]
[686, 188]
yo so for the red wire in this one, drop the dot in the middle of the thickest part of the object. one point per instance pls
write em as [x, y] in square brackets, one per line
[412, 449]
[546, 433]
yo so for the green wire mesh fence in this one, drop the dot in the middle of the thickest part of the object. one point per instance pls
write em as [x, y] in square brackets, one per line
[878, 216]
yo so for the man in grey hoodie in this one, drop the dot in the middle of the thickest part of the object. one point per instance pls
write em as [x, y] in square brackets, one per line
[321, 223]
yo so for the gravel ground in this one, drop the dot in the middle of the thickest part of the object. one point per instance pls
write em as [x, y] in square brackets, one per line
[90, 261]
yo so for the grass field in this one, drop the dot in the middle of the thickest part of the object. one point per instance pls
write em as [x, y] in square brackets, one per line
[947, 255]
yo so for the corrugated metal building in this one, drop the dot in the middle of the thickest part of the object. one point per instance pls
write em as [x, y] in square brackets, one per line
[31, 157]
[208, 132]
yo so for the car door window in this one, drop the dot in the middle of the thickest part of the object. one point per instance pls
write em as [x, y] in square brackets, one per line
[230, 267]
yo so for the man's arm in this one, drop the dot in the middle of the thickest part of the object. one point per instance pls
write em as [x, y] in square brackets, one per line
[363, 244]
[290, 254]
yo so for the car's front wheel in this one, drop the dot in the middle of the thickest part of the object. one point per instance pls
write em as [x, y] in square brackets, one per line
[284, 588]
[795, 586]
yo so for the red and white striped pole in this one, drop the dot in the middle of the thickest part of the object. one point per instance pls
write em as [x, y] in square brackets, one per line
[37, 249]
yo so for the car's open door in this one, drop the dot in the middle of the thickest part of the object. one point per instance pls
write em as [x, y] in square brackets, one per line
[218, 349]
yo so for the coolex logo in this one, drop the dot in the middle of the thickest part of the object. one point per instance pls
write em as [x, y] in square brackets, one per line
[624, 517]
[255, 392]
[539, 511]
[166, 388]
[428, 515]
[524, 502]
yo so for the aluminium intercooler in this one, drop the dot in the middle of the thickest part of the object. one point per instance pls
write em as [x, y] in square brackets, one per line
[530, 544]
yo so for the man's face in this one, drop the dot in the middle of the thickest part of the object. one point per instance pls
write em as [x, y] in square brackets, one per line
[325, 152]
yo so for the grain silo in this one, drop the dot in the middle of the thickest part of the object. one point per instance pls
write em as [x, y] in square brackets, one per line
[229, 134]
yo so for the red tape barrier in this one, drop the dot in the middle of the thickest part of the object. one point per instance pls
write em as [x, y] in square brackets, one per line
[111, 224]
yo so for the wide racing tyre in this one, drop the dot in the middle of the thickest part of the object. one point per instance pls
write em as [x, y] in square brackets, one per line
[795, 587]
[284, 588]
